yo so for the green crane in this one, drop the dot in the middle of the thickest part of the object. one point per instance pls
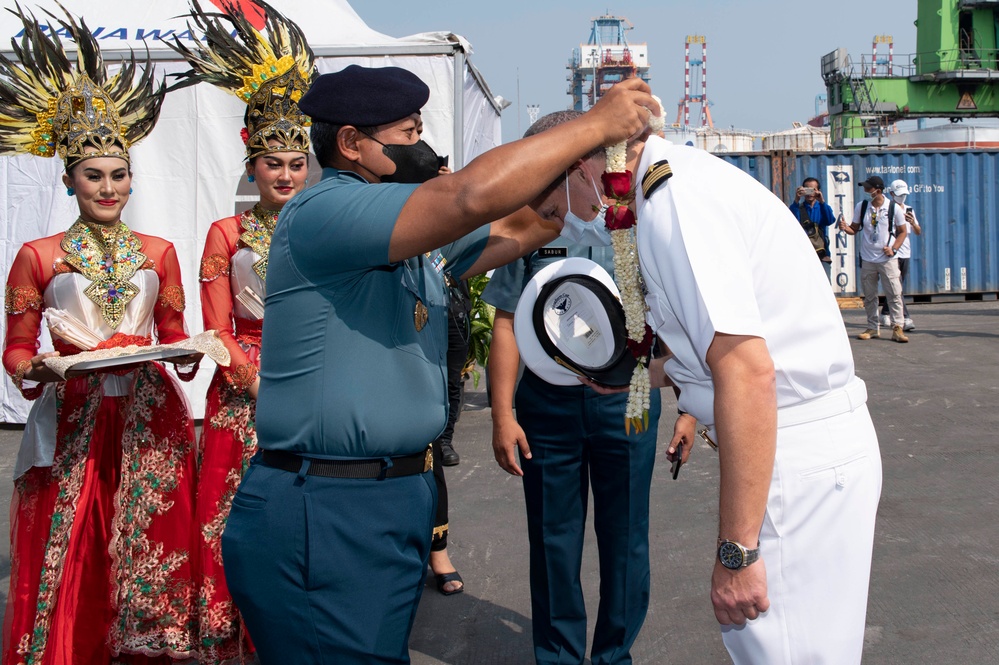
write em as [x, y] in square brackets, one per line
[954, 74]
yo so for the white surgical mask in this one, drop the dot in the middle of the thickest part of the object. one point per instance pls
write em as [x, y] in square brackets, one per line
[592, 233]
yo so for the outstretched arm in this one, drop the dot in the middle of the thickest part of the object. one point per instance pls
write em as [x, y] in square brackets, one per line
[507, 178]
[511, 238]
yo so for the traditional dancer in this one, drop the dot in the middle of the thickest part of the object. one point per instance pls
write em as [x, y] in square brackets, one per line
[101, 518]
[270, 73]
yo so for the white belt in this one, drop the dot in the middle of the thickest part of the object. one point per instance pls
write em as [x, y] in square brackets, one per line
[837, 402]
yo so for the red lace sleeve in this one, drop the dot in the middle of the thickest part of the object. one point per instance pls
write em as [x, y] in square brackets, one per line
[23, 306]
[168, 314]
[216, 298]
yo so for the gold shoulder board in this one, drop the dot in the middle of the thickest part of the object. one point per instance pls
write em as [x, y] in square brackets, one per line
[657, 174]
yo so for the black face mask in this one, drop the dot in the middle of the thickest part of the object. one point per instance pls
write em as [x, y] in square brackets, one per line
[415, 163]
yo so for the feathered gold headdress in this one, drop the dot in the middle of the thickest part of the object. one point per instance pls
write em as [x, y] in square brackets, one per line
[270, 73]
[49, 107]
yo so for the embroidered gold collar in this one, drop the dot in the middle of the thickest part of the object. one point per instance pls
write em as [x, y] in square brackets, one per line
[108, 256]
[258, 224]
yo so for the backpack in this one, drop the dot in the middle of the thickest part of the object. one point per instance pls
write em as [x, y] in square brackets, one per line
[891, 217]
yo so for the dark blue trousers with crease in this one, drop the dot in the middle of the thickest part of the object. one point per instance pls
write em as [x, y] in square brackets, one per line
[328, 570]
[578, 442]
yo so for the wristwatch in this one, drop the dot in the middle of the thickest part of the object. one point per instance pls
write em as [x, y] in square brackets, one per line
[734, 556]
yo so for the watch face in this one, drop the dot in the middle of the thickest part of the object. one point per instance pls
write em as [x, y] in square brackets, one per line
[731, 555]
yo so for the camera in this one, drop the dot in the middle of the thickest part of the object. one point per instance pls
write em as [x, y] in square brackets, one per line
[807, 191]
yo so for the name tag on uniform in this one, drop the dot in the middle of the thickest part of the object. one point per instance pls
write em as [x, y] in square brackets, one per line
[553, 252]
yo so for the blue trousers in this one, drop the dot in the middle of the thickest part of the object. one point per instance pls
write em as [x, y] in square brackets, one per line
[578, 441]
[328, 570]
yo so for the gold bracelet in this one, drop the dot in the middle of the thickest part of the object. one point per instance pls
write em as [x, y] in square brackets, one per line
[19, 372]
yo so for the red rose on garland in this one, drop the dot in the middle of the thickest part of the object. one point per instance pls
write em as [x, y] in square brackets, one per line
[617, 187]
[643, 348]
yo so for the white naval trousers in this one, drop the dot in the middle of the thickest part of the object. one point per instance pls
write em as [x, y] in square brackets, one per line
[817, 536]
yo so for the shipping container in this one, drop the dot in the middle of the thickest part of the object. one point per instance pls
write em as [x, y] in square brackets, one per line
[954, 194]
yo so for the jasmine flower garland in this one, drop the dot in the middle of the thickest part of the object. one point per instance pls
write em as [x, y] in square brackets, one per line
[621, 221]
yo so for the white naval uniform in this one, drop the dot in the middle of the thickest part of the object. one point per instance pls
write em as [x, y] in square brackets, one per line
[721, 254]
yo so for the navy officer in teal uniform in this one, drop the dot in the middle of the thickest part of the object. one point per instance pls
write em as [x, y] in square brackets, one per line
[326, 546]
[571, 439]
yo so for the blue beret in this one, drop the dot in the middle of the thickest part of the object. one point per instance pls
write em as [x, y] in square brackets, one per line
[365, 96]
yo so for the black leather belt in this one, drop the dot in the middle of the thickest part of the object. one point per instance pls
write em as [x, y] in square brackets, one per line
[383, 467]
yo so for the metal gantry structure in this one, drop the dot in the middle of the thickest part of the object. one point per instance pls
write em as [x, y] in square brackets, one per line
[605, 59]
[695, 74]
[533, 111]
[953, 74]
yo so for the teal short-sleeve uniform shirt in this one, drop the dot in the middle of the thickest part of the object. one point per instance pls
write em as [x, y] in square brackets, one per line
[507, 283]
[345, 373]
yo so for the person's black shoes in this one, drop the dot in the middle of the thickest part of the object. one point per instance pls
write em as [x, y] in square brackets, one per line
[448, 455]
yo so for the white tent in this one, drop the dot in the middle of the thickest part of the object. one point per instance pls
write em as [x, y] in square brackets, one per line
[188, 169]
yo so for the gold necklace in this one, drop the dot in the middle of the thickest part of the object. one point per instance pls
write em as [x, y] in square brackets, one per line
[258, 226]
[108, 256]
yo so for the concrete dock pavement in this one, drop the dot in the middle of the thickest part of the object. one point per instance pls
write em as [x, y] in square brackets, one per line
[934, 588]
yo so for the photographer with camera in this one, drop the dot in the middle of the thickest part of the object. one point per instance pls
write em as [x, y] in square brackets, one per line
[815, 216]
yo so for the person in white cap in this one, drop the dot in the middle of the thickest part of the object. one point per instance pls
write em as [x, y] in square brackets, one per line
[899, 190]
[800, 468]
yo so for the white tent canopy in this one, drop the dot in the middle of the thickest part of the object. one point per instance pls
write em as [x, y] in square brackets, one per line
[186, 172]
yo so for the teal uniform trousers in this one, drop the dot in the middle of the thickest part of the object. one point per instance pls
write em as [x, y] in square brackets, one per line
[578, 443]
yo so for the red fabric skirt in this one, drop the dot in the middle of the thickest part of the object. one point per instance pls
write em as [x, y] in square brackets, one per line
[100, 541]
[228, 441]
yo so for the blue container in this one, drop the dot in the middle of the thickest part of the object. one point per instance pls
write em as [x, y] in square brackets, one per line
[954, 195]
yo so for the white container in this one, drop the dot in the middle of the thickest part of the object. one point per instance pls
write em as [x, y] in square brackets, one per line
[799, 139]
[681, 136]
[725, 140]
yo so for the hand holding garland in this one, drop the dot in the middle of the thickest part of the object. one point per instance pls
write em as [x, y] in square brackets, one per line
[620, 220]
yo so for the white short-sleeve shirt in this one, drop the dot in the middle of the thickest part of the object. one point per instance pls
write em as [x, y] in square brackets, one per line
[721, 254]
[874, 229]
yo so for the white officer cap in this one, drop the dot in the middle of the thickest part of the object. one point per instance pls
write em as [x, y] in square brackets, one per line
[570, 323]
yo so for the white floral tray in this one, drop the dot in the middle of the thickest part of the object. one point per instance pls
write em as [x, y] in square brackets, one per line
[207, 343]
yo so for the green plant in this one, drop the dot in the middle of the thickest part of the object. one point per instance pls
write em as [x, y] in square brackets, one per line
[480, 329]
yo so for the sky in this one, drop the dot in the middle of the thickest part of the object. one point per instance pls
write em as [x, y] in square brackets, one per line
[763, 55]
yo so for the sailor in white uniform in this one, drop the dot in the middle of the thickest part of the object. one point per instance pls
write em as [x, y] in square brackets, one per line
[760, 353]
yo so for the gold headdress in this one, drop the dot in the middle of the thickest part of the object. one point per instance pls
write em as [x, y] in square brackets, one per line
[50, 107]
[269, 73]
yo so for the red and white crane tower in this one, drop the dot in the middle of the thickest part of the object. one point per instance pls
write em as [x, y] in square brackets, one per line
[695, 70]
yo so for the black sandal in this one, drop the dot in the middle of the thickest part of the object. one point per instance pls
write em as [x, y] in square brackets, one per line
[444, 578]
